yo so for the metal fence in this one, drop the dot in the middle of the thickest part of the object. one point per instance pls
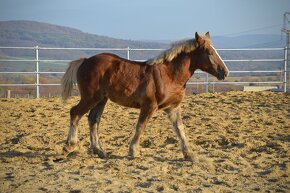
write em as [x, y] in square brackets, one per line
[37, 60]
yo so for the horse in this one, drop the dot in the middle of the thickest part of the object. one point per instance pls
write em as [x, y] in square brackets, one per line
[156, 84]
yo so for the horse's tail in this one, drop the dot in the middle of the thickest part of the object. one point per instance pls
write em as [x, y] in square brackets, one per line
[70, 78]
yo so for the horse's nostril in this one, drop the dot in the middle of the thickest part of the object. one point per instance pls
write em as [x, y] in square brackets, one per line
[221, 74]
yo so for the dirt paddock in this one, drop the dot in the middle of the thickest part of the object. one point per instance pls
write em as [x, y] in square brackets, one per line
[240, 141]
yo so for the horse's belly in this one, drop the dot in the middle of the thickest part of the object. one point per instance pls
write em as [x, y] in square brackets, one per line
[122, 98]
[125, 91]
[125, 102]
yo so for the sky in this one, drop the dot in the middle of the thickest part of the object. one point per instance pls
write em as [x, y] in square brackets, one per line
[153, 19]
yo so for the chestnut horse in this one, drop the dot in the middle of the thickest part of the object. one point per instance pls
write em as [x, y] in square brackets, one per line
[156, 84]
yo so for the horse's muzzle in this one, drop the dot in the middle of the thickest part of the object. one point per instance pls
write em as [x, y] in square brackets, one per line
[222, 74]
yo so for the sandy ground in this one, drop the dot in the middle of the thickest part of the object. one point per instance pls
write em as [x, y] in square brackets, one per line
[240, 141]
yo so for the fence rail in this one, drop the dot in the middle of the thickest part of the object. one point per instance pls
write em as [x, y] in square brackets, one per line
[128, 50]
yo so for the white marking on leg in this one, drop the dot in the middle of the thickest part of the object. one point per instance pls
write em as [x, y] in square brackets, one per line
[72, 136]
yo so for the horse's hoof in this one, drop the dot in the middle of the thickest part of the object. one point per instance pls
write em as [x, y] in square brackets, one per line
[188, 157]
[133, 155]
[100, 153]
[67, 150]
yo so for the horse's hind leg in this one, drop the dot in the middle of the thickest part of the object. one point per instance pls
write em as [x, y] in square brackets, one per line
[94, 121]
[76, 114]
[174, 115]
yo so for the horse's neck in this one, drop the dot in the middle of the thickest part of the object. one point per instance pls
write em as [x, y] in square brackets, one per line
[180, 69]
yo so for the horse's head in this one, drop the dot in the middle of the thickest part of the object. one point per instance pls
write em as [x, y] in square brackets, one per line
[208, 59]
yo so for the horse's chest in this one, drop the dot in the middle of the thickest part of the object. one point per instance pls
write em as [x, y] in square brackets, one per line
[171, 98]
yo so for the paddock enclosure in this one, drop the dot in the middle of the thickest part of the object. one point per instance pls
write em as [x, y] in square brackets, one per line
[240, 141]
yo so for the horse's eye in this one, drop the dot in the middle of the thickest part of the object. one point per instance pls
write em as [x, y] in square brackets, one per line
[210, 52]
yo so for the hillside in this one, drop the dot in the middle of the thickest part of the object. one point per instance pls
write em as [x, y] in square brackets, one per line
[31, 33]
[250, 41]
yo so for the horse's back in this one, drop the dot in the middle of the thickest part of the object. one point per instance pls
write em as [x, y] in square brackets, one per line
[117, 78]
[108, 60]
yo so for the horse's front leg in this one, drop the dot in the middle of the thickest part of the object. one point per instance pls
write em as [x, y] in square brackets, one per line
[174, 115]
[146, 113]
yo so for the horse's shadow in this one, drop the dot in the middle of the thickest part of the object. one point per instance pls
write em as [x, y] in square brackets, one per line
[144, 157]
[58, 157]
[27, 154]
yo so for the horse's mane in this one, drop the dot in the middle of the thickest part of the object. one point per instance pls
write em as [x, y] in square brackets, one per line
[176, 48]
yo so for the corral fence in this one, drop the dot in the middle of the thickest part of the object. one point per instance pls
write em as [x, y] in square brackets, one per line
[36, 61]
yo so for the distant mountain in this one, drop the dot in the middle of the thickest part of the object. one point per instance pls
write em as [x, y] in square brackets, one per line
[31, 33]
[250, 41]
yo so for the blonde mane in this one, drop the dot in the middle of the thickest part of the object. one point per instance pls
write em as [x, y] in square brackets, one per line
[176, 48]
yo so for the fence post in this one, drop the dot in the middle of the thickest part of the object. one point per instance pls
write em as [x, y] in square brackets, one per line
[128, 53]
[206, 83]
[37, 71]
[285, 68]
[8, 94]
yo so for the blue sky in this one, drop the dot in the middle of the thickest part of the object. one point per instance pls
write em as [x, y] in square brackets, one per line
[153, 19]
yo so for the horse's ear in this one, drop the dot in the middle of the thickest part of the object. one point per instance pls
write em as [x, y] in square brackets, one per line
[207, 35]
[197, 37]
